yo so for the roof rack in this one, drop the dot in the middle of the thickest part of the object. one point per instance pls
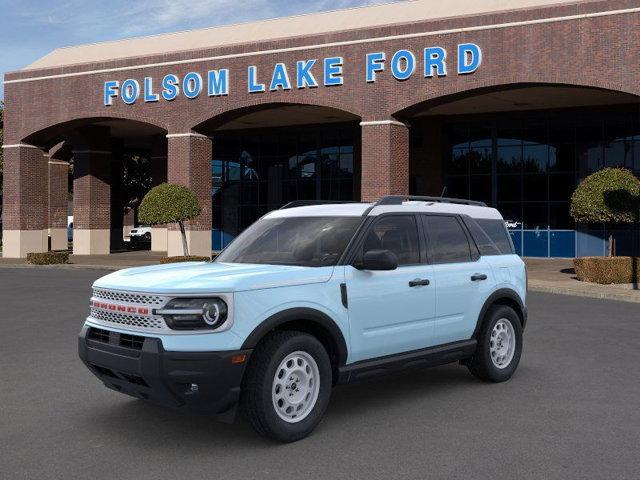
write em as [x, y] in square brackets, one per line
[398, 199]
[307, 203]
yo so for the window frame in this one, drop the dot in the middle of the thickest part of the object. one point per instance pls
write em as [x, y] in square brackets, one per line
[474, 253]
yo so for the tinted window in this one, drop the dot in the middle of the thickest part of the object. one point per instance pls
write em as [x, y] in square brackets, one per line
[497, 232]
[447, 240]
[398, 234]
[485, 245]
[303, 241]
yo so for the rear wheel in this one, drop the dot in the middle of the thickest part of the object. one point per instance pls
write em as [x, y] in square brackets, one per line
[287, 386]
[499, 345]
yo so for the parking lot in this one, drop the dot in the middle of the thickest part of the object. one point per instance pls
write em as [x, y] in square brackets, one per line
[571, 410]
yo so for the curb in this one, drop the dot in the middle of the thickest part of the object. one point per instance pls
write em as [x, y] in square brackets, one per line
[630, 297]
[66, 266]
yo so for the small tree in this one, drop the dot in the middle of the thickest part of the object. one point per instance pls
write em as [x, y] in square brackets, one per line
[170, 203]
[611, 195]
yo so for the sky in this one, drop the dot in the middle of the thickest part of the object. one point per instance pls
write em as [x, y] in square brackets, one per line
[29, 29]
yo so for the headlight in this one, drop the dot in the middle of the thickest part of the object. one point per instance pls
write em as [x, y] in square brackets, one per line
[194, 313]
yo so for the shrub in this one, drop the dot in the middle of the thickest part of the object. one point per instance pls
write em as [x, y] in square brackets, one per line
[190, 258]
[170, 203]
[611, 195]
[607, 270]
[48, 258]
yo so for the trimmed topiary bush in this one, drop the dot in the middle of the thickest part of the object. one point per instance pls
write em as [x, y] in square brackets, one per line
[48, 258]
[607, 270]
[611, 195]
[190, 258]
[170, 203]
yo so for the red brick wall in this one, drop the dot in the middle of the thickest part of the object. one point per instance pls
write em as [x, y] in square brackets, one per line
[58, 188]
[189, 164]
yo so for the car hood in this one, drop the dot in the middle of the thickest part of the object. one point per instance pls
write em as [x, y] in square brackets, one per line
[207, 277]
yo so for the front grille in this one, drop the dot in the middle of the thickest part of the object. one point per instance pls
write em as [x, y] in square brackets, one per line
[128, 320]
[126, 297]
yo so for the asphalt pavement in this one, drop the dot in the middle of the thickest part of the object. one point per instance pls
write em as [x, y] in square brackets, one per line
[570, 411]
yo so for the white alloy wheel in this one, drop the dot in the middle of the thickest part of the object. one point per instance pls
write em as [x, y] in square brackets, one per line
[295, 388]
[502, 344]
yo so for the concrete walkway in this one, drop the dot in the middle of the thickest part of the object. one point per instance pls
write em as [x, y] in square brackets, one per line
[558, 276]
[545, 274]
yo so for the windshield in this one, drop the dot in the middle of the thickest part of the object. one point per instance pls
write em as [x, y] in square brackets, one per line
[302, 241]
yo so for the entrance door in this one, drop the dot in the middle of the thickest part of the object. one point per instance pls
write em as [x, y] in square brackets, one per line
[391, 311]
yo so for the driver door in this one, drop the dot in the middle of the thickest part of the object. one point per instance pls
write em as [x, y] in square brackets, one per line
[389, 311]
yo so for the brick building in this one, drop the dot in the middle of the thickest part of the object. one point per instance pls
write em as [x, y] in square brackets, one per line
[509, 102]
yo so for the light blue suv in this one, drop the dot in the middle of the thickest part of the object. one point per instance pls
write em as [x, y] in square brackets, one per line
[311, 296]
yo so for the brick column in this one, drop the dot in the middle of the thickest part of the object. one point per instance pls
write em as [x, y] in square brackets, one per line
[58, 191]
[385, 159]
[158, 175]
[91, 191]
[25, 212]
[189, 164]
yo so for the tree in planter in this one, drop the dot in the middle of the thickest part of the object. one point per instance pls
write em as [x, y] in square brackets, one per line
[170, 203]
[611, 195]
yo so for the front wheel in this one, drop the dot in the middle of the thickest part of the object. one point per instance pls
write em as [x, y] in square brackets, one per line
[499, 345]
[287, 386]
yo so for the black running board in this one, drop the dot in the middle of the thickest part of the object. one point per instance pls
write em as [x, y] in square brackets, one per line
[427, 357]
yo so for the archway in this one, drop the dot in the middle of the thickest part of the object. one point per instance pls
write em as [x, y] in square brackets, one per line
[113, 162]
[265, 156]
[523, 148]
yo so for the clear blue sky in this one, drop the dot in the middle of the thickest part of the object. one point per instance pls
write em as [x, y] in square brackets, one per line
[30, 29]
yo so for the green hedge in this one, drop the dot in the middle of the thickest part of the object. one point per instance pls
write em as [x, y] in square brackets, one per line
[607, 270]
[611, 195]
[48, 258]
[190, 258]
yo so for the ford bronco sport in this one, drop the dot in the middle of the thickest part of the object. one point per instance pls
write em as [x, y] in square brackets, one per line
[310, 296]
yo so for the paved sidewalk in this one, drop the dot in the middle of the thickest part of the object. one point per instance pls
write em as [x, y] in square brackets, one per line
[556, 275]
[545, 274]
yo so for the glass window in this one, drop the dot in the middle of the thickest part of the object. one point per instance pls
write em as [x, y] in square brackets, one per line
[398, 234]
[302, 241]
[510, 159]
[448, 242]
[497, 232]
[485, 245]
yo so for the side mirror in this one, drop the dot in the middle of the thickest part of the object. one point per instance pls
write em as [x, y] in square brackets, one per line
[379, 260]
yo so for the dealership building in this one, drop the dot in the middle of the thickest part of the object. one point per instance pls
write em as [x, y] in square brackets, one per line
[511, 102]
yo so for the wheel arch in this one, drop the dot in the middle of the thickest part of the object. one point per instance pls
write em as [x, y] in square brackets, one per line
[503, 296]
[307, 320]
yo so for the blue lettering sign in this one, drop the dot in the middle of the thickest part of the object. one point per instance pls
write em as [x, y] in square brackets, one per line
[192, 85]
[170, 87]
[434, 59]
[375, 63]
[149, 96]
[130, 91]
[110, 92]
[280, 78]
[304, 77]
[254, 87]
[218, 82]
[403, 64]
[333, 71]
[469, 58]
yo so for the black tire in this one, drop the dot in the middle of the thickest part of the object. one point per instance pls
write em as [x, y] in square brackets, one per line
[256, 400]
[481, 364]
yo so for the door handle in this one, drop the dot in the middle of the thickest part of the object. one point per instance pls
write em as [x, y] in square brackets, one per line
[478, 276]
[419, 282]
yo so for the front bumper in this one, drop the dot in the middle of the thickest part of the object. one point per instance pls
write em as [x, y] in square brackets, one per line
[139, 366]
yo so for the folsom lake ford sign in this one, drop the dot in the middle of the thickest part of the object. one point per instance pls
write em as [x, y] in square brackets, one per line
[309, 73]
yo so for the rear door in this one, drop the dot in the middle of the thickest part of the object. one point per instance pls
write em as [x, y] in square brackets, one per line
[391, 311]
[462, 278]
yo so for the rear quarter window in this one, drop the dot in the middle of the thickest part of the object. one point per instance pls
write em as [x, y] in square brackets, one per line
[496, 230]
